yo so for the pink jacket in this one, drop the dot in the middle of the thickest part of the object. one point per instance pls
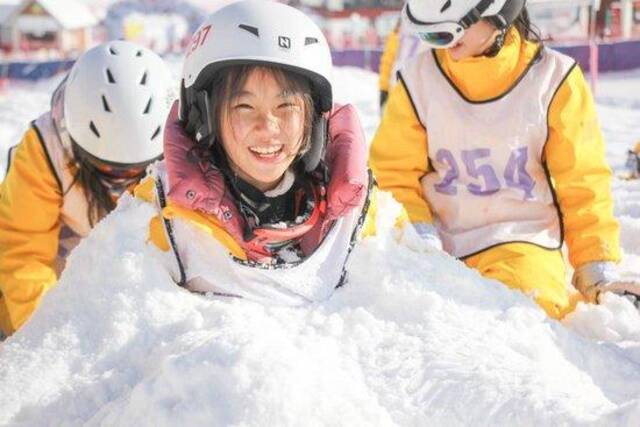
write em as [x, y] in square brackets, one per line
[202, 187]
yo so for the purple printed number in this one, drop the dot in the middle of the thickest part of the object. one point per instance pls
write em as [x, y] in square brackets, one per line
[491, 183]
[446, 186]
[515, 174]
[518, 166]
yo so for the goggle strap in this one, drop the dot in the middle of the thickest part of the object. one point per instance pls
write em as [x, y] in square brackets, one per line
[470, 18]
[475, 14]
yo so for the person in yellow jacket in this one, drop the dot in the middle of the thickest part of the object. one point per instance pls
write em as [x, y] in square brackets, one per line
[103, 129]
[492, 144]
[264, 186]
[385, 69]
[399, 47]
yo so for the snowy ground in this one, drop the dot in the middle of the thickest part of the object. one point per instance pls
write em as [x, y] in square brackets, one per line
[414, 339]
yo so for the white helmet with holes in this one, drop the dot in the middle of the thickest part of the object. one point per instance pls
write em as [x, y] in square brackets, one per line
[116, 100]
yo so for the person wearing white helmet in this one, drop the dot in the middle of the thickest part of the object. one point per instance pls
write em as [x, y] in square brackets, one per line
[104, 128]
[491, 142]
[264, 185]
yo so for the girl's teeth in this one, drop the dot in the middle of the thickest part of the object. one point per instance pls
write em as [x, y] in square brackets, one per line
[266, 150]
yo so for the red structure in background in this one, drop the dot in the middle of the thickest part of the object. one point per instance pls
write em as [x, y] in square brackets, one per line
[610, 24]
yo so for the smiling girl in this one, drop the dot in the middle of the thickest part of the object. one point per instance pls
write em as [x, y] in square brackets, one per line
[265, 183]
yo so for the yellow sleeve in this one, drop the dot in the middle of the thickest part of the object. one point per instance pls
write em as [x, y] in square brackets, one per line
[145, 190]
[575, 156]
[398, 155]
[387, 60]
[208, 223]
[30, 204]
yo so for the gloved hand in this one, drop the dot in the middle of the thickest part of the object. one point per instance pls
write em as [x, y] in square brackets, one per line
[595, 278]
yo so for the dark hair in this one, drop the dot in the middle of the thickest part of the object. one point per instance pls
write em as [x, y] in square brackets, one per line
[224, 86]
[525, 27]
[99, 200]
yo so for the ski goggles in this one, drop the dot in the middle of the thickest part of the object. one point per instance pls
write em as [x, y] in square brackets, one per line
[111, 170]
[442, 35]
[117, 186]
[118, 171]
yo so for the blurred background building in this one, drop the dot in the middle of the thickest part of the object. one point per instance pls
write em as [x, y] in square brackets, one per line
[45, 27]
[41, 37]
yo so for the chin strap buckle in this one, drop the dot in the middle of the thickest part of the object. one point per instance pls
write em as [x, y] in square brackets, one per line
[497, 45]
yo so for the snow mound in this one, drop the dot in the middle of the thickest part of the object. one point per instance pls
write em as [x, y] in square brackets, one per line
[413, 339]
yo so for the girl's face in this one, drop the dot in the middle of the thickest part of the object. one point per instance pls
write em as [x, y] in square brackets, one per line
[475, 41]
[262, 130]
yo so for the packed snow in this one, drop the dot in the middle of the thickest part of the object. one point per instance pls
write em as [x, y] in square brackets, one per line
[414, 338]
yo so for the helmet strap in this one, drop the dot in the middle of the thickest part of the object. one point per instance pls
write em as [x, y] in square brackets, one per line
[475, 14]
[497, 45]
[205, 130]
[198, 122]
[503, 21]
[311, 159]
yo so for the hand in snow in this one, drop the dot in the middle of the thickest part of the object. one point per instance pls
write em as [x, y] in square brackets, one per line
[595, 278]
[422, 237]
[626, 288]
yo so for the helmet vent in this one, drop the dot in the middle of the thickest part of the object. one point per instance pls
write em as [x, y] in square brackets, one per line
[105, 104]
[310, 40]
[110, 78]
[250, 29]
[112, 51]
[148, 107]
[143, 81]
[446, 6]
[156, 133]
[93, 128]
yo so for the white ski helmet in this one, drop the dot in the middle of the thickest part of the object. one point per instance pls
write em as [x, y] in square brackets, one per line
[116, 100]
[442, 23]
[253, 32]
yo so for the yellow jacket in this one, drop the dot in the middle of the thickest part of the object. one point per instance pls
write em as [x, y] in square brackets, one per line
[387, 60]
[157, 235]
[30, 203]
[574, 153]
